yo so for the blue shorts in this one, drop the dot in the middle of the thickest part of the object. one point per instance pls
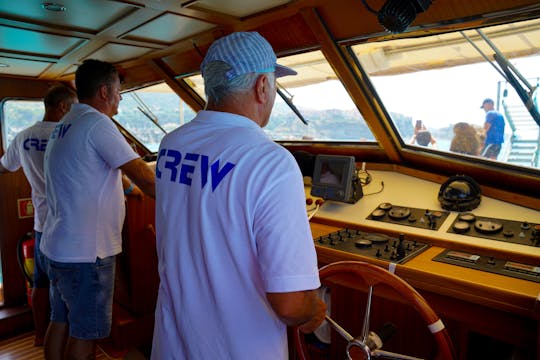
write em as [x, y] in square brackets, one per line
[82, 295]
[41, 279]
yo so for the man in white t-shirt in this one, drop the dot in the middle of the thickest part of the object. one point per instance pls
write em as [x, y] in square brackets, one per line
[27, 151]
[237, 262]
[84, 160]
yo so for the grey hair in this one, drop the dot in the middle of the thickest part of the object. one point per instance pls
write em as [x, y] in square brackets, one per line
[218, 87]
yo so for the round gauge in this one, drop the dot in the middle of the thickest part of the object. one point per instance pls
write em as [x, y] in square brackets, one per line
[377, 238]
[487, 227]
[378, 213]
[399, 213]
[461, 227]
[468, 217]
[385, 206]
[364, 243]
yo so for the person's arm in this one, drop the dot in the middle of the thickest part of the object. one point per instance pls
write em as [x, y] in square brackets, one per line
[433, 142]
[300, 308]
[142, 175]
[130, 189]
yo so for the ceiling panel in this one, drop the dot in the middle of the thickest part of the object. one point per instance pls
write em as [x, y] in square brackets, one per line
[33, 42]
[239, 8]
[91, 15]
[117, 52]
[22, 67]
[169, 28]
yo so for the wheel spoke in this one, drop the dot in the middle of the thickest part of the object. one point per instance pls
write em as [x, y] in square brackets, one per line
[339, 329]
[365, 327]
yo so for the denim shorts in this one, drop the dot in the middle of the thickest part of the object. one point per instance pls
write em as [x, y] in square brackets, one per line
[82, 295]
[41, 279]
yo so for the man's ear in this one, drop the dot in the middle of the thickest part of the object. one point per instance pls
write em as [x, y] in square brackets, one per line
[103, 91]
[262, 88]
[64, 105]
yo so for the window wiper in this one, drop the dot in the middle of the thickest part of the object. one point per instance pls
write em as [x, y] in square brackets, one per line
[509, 73]
[288, 100]
[145, 110]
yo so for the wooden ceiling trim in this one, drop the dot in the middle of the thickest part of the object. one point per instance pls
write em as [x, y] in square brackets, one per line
[359, 95]
[137, 76]
[352, 22]
[179, 87]
[276, 14]
[186, 63]
[289, 35]
[184, 56]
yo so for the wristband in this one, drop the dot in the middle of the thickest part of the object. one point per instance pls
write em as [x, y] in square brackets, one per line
[129, 189]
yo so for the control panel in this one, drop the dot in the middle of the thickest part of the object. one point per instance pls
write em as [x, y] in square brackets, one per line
[373, 245]
[490, 264]
[420, 218]
[519, 232]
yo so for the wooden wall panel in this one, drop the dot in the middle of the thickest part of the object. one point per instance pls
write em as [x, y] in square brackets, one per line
[13, 186]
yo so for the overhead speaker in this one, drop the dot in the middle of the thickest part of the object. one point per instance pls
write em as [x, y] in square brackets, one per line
[396, 15]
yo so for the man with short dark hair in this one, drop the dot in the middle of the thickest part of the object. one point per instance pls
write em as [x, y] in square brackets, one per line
[237, 262]
[494, 129]
[27, 151]
[83, 163]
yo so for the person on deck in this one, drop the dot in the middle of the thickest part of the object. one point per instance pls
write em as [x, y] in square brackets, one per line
[466, 139]
[494, 130]
[237, 262]
[422, 136]
[27, 150]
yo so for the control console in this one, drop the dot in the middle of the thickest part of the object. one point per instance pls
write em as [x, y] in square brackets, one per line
[420, 218]
[376, 246]
[518, 232]
[490, 264]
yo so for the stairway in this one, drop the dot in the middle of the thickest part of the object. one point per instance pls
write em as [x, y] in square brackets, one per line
[525, 140]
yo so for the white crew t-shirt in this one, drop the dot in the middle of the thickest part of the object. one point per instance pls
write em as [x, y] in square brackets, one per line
[84, 187]
[231, 226]
[27, 150]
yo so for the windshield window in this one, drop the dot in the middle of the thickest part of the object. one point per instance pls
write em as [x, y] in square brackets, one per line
[318, 96]
[17, 115]
[434, 89]
[151, 112]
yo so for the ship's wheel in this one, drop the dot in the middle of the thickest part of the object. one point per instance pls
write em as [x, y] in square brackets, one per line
[372, 275]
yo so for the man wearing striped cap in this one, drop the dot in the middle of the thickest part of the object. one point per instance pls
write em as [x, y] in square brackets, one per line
[237, 262]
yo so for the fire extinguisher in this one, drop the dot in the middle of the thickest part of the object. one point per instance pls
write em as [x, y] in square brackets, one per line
[25, 257]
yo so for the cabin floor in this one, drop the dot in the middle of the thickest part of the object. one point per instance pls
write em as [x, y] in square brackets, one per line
[22, 347]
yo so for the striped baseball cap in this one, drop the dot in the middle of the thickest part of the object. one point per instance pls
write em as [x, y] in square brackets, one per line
[245, 52]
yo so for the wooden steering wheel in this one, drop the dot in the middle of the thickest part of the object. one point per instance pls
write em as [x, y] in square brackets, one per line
[373, 275]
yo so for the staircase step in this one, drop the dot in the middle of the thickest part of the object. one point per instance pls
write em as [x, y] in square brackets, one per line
[521, 146]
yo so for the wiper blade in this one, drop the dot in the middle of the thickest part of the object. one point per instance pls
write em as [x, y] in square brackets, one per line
[143, 108]
[288, 101]
[145, 113]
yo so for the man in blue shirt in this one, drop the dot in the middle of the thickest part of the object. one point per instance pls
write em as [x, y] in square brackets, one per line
[494, 129]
